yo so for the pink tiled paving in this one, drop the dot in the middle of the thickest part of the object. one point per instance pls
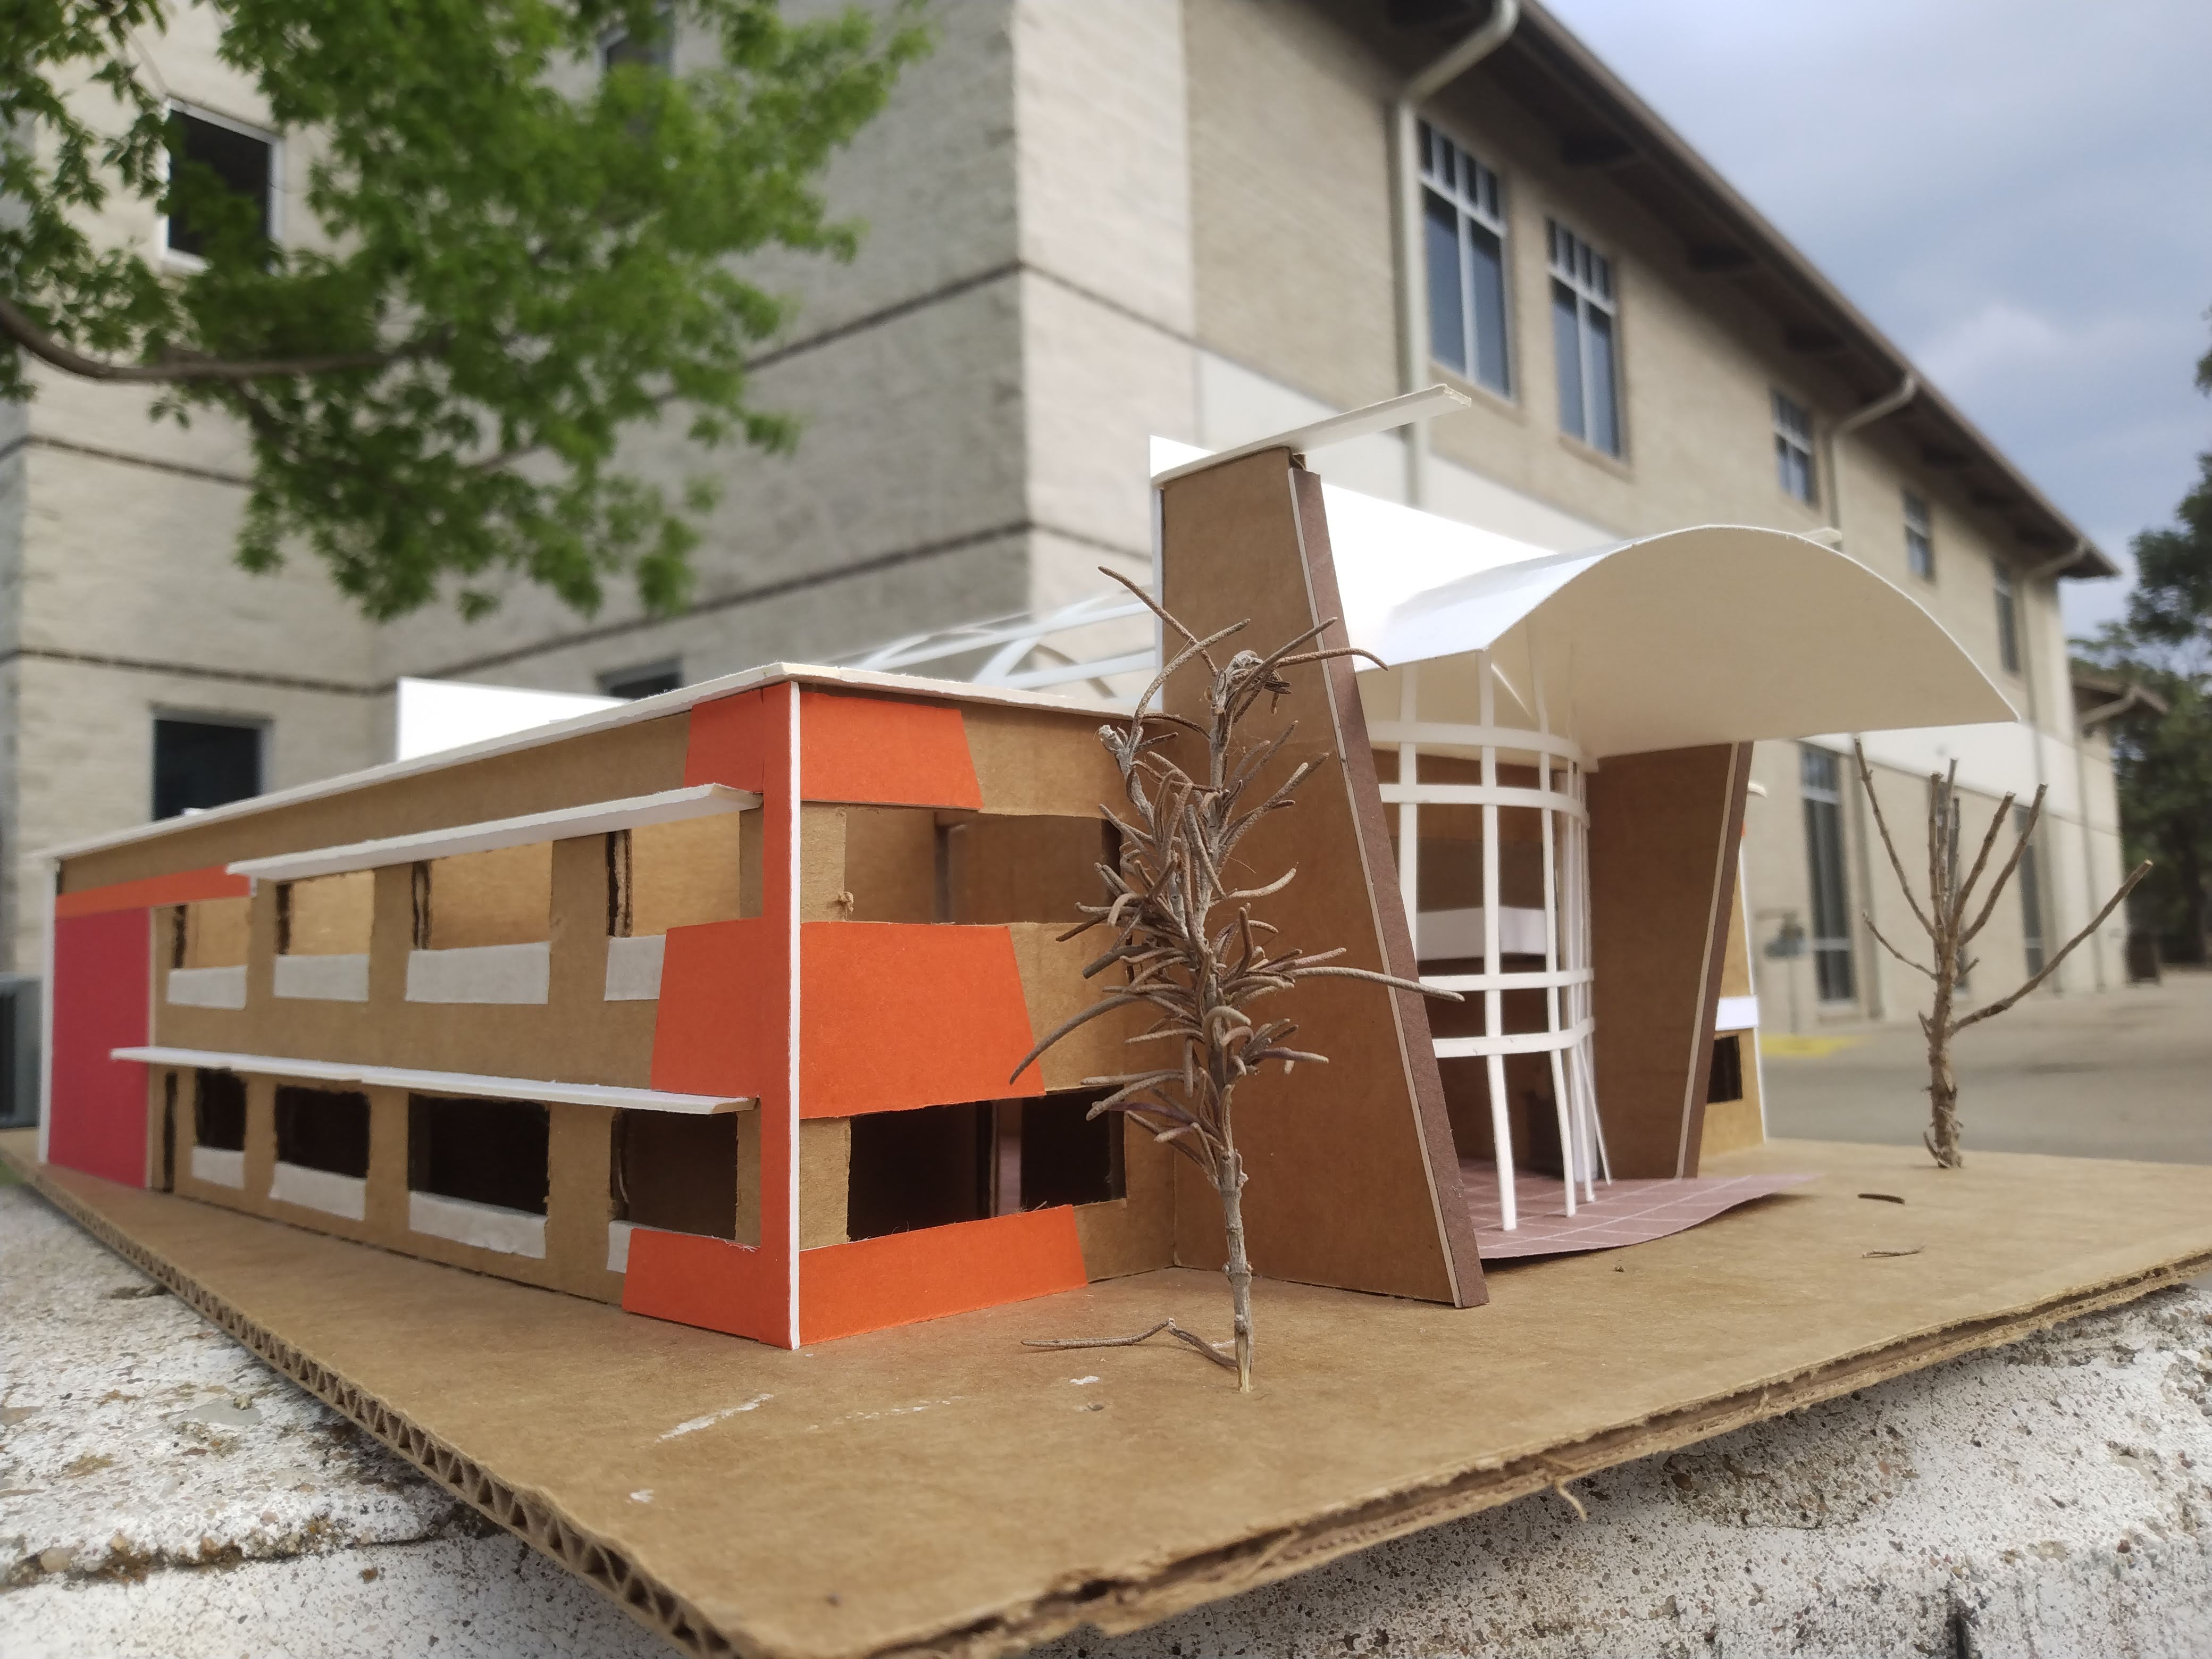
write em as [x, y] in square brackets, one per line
[1625, 1213]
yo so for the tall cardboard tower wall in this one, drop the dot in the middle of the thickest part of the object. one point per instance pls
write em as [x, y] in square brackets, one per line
[1354, 1179]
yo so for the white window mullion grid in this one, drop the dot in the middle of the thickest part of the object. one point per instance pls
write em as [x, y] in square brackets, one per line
[1564, 977]
[1452, 173]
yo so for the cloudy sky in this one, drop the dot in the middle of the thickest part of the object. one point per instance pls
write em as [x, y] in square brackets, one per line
[2018, 191]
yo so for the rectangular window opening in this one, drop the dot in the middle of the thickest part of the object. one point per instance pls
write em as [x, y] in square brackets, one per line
[661, 876]
[645, 680]
[2029, 875]
[1725, 1082]
[324, 1129]
[1465, 237]
[1919, 538]
[1793, 449]
[483, 1152]
[676, 1172]
[2008, 603]
[1000, 870]
[939, 1165]
[199, 764]
[219, 1111]
[1820, 782]
[504, 897]
[327, 915]
[211, 934]
[1584, 316]
[223, 177]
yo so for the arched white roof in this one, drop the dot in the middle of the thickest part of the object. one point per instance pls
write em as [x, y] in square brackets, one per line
[1720, 634]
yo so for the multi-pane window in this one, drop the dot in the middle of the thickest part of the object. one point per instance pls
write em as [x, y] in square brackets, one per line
[1793, 449]
[1820, 781]
[2030, 877]
[220, 175]
[1584, 313]
[1919, 538]
[1464, 237]
[2008, 602]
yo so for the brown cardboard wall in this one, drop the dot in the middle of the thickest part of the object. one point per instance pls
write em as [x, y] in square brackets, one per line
[890, 864]
[216, 932]
[825, 1159]
[1040, 760]
[1663, 834]
[1354, 1180]
[639, 759]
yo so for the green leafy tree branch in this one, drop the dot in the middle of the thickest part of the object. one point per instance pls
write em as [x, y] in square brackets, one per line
[510, 261]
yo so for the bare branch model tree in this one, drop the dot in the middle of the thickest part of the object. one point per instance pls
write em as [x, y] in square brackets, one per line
[1944, 919]
[1185, 944]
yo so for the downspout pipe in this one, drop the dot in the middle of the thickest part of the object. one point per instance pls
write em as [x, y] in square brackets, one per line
[1862, 830]
[1413, 271]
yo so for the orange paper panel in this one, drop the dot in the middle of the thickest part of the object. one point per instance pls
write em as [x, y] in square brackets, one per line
[708, 1282]
[885, 751]
[728, 741]
[186, 885]
[904, 1278]
[895, 1015]
[720, 1027]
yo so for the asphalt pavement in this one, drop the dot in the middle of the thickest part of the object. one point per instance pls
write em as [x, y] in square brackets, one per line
[2124, 1073]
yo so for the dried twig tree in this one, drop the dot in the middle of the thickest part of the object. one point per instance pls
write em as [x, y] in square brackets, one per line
[1944, 919]
[1185, 944]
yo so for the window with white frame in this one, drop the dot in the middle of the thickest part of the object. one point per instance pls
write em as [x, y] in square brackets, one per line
[1819, 781]
[1793, 449]
[1584, 333]
[1464, 236]
[2007, 601]
[222, 176]
[1919, 538]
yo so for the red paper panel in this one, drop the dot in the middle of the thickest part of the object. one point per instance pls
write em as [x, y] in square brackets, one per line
[101, 987]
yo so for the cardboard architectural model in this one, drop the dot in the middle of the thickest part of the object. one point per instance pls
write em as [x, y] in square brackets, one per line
[706, 1004]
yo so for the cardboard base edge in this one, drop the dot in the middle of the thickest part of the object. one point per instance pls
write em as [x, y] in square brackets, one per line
[1176, 1586]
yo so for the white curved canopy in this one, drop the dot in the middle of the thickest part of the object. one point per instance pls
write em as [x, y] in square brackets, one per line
[1722, 633]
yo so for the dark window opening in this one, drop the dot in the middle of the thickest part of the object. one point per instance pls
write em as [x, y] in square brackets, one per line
[323, 1129]
[202, 763]
[647, 680]
[1725, 1081]
[654, 48]
[1820, 781]
[169, 1131]
[487, 1152]
[677, 1172]
[1051, 1151]
[942, 1164]
[926, 1167]
[219, 1111]
[220, 180]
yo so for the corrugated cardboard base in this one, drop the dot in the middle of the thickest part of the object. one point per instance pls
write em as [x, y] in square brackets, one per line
[940, 1489]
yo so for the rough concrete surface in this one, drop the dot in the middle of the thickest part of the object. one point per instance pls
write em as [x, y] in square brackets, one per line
[161, 1492]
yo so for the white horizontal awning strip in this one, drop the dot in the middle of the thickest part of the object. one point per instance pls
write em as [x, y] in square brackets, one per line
[473, 1083]
[669, 806]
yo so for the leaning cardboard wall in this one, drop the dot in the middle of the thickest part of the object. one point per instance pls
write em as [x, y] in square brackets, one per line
[1354, 1178]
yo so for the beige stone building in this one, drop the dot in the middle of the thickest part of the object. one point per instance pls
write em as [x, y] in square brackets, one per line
[1090, 225]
